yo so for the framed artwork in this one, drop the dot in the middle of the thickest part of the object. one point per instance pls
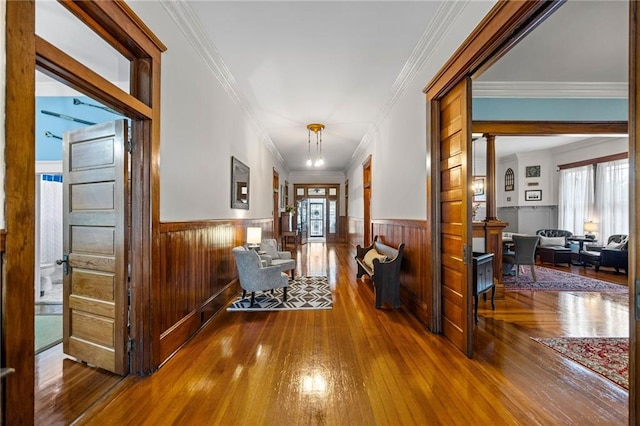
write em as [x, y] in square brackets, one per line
[478, 188]
[533, 195]
[532, 171]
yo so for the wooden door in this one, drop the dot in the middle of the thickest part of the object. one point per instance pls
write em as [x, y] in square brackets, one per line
[95, 301]
[276, 204]
[455, 216]
[366, 196]
[634, 208]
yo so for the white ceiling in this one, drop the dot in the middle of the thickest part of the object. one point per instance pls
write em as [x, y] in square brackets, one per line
[342, 63]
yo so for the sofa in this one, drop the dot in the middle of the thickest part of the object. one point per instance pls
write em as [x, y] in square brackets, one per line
[615, 254]
[553, 246]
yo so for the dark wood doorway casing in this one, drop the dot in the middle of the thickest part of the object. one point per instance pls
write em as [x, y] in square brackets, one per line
[117, 24]
[501, 29]
[366, 197]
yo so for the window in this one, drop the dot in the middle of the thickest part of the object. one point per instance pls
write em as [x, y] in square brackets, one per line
[575, 198]
[612, 198]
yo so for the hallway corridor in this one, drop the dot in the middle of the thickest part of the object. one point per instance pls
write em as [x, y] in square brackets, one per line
[360, 366]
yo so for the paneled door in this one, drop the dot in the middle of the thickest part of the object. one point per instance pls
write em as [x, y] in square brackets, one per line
[95, 301]
[455, 214]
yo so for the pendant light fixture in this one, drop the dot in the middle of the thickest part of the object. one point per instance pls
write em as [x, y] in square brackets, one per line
[317, 129]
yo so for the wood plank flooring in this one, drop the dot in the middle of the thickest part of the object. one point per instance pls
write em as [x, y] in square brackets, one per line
[357, 365]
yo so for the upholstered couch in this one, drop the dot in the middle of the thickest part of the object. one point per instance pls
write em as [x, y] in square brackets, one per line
[615, 254]
[553, 246]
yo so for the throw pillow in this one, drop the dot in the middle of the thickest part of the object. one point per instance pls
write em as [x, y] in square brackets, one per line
[270, 248]
[551, 241]
[614, 245]
[373, 254]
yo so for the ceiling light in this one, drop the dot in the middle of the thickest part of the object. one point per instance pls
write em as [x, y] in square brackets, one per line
[317, 129]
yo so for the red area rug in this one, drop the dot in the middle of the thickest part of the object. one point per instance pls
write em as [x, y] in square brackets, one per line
[607, 356]
[554, 280]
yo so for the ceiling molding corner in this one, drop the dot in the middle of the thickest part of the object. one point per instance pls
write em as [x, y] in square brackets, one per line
[188, 23]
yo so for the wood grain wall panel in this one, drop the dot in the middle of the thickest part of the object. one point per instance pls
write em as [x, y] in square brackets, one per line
[198, 275]
[415, 290]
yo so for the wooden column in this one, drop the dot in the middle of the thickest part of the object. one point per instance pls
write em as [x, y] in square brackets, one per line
[490, 183]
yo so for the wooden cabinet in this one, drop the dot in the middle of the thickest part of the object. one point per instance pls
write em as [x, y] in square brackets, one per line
[483, 279]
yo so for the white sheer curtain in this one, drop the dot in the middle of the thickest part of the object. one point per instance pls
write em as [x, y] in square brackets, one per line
[576, 198]
[612, 198]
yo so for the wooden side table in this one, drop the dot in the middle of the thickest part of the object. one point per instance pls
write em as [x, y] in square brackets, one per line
[285, 238]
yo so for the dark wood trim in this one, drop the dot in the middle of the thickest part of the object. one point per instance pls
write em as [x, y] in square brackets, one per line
[60, 66]
[18, 271]
[594, 161]
[199, 224]
[634, 207]
[407, 223]
[3, 240]
[505, 24]
[545, 128]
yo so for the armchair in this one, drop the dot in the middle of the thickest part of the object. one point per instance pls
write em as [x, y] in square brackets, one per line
[273, 257]
[254, 277]
[615, 254]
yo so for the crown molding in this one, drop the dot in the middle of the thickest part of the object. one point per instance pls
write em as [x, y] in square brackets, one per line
[549, 89]
[424, 49]
[187, 21]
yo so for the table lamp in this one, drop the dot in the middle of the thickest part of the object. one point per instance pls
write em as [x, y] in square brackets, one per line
[589, 229]
[254, 237]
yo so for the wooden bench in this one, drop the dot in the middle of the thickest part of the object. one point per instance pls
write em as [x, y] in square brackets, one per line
[384, 274]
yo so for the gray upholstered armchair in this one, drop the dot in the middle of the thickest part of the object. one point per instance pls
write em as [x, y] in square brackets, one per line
[282, 259]
[615, 254]
[255, 277]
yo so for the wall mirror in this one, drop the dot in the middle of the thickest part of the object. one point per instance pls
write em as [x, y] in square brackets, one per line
[239, 184]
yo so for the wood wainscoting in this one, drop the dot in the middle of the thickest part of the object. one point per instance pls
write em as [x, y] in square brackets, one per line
[415, 292]
[198, 276]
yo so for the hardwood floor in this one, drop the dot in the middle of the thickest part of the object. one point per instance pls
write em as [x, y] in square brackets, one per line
[358, 365]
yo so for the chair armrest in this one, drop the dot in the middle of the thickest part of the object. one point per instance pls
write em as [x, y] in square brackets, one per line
[593, 247]
[284, 255]
[266, 258]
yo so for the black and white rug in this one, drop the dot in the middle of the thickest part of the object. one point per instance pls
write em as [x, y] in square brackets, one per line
[302, 293]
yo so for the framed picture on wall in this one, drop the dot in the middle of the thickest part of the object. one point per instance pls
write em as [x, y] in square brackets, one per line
[533, 195]
[532, 171]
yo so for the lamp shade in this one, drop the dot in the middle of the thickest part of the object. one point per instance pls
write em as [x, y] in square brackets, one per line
[590, 227]
[254, 235]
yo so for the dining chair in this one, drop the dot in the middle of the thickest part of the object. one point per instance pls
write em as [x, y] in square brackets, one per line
[524, 253]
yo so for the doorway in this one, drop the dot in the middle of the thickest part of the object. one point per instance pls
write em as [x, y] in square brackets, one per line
[317, 212]
[25, 50]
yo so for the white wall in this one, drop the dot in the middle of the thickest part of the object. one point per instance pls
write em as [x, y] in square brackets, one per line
[398, 145]
[201, 128]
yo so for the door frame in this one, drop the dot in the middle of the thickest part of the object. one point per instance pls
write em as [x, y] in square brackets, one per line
[506, 24]
[117, 24]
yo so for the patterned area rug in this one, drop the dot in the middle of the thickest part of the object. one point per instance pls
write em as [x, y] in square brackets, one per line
[302, 293]
[607, 356]
[554, 280]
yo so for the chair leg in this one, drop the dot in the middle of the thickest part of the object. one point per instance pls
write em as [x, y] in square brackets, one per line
[284, 293]
[253, 298]
[533, 273]
[244, 293]
[517, 270]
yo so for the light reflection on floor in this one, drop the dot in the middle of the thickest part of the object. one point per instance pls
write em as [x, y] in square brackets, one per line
[586, 314]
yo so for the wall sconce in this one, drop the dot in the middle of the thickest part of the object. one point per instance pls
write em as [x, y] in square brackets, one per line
[254, 237]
